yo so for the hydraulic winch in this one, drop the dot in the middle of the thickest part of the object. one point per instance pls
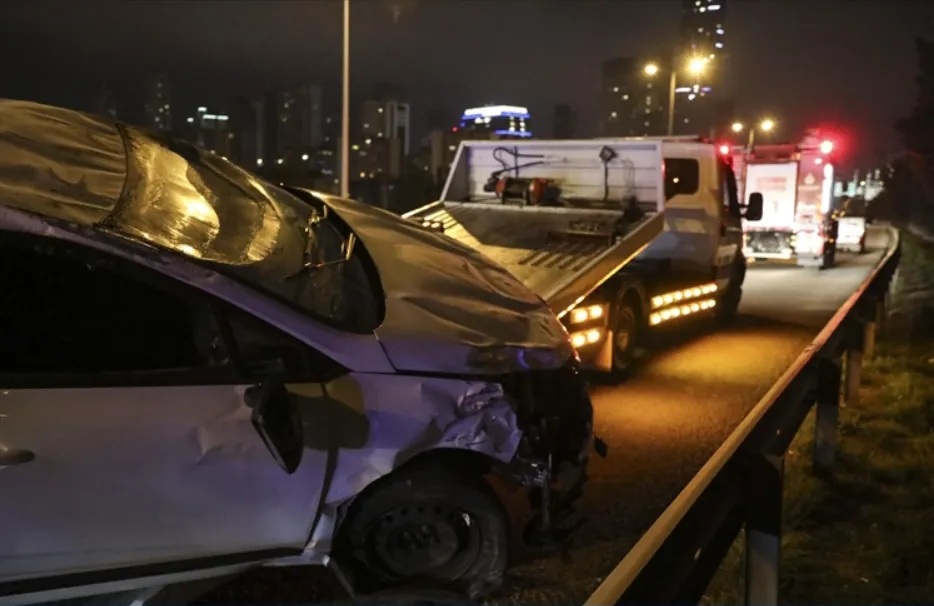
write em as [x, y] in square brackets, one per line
[532, 191]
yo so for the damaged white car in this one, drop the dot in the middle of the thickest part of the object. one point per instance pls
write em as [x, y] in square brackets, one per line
[201, 372]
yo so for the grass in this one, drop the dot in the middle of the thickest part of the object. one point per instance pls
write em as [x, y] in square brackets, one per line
[863, 536]
[917, 253]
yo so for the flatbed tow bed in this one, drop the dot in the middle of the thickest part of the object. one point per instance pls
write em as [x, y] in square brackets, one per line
[561, 252]
[547, 249]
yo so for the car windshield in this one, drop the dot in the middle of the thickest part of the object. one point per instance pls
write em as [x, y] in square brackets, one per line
[200, 205]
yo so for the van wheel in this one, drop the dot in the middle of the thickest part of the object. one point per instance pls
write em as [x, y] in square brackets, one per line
[427, 524]
[626, 332]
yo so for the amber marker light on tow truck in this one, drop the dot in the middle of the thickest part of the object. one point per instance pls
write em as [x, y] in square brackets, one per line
[685, 302]
[588, 337]
[585, 314]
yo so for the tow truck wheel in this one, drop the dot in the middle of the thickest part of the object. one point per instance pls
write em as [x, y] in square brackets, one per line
[728, 302]
[625, 323]
[427, 524]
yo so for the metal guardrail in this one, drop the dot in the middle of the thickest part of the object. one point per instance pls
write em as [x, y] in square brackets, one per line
[741, 485]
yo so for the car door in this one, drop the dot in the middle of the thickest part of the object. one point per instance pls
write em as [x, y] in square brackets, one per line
[126, 441]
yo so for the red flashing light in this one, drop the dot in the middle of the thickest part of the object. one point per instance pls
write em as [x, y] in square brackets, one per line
[725, 150]
[453, 129]
[826, 147]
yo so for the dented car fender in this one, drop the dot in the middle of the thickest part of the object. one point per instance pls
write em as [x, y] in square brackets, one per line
[363, 426]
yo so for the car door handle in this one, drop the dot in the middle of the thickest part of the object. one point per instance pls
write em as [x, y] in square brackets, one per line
[15, 456]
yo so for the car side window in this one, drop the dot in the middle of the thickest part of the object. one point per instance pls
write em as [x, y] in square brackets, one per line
[263, 351]
[70, 310]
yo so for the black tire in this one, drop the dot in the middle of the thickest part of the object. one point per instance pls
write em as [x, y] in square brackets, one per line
[728, 301]
[627, 330]
[391, 530]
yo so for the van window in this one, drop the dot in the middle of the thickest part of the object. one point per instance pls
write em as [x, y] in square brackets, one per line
[682, 177]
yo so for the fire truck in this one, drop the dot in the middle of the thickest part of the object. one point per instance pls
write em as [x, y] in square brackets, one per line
[796, 182]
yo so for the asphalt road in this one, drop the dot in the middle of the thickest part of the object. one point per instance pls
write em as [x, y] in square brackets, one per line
[660, 425]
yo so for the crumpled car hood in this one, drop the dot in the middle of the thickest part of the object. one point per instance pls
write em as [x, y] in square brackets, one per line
[448, 307]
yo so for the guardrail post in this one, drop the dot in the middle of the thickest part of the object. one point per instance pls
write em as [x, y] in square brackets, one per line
[870, 328]
[827, 399]
[764, 529]
[881, 309]
[854, 365]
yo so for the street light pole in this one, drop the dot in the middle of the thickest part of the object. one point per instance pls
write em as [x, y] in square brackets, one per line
[345, 108]
[673, 82]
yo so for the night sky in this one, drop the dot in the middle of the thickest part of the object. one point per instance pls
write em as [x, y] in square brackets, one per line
[815, 62]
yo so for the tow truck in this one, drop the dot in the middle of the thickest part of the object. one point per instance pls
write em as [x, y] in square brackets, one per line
[617, 236]
[796, 182]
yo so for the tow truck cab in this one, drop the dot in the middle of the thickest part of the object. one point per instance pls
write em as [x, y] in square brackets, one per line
[694, 267]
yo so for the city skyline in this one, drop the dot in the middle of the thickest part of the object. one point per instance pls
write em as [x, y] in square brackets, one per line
[823, 73]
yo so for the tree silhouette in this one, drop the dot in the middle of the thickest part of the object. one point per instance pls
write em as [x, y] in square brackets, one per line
[909, 188]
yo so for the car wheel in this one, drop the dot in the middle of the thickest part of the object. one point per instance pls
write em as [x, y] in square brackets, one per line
[429, 525]
[626, 332]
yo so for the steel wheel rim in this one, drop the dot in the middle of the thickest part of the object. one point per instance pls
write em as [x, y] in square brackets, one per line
[424, 540]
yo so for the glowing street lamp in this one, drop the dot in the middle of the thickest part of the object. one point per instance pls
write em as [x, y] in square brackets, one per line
[765, 126]
[695, 66]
